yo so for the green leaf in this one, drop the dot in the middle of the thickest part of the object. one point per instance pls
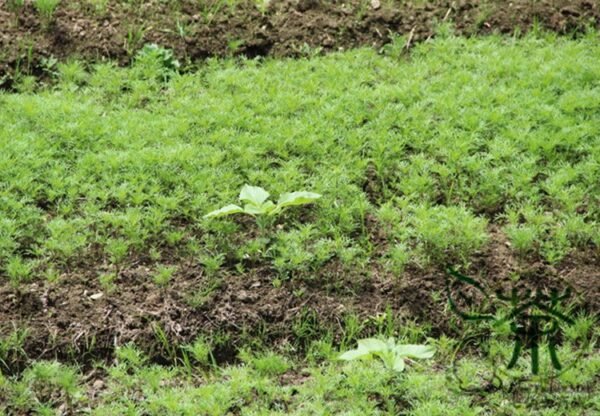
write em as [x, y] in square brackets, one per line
[268, 207]
[398, 363]
[388, 357]
[415, 351]
[226, 210]
[366, 347]
[296, 198]
[372, 345]
[253, 195]
[259, 209]
[356, 354]
[252, 209]
[388, 351]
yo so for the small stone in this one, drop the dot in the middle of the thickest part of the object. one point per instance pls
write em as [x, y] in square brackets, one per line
[244, 296]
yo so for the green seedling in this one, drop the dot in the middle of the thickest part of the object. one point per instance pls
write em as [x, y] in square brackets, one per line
[135, 36]
[157, 60]
[200, 351]
[209, 10]
[99, 6]
[393, 355]
[163, 275]
[257, 203]
[46, 8]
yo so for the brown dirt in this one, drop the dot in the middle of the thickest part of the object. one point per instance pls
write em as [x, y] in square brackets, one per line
[66, 322]
[284, 28]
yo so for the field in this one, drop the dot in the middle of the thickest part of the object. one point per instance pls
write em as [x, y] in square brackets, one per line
[475, 154]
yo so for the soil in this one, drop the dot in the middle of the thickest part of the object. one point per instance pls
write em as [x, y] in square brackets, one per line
[197, 30]
[77, 319]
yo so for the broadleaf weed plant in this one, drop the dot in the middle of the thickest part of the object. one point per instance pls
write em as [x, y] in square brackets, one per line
[156, 61]
[257, 203]
[393, 355]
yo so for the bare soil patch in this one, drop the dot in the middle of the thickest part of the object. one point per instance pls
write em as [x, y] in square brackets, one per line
[76, 319]
[283, 28]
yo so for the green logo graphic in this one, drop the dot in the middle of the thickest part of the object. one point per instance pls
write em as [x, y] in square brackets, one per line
[532, 318]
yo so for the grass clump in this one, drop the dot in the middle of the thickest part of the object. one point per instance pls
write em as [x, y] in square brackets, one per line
[465, 232]
[163, 275]
[267, 364]
[15, 5]
[46, 9]
[43, 388]
[274, 383]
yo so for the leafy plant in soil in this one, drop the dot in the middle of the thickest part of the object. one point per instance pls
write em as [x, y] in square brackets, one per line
[157, 61]
[46, 9]
[393, 355]
[257, 203]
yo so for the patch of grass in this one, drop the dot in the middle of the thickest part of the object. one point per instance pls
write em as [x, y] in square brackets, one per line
[273, 383]
[18, 270]
[137, 156]
[72, 73]
[98, 6]
[163, 275]
[12, 348]
[43, 388]
[436, 233]
[210, 9]
[46, 9]
[199, 351]
[268, 364]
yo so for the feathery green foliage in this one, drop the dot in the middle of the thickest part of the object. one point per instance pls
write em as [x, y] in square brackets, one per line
[113, 162]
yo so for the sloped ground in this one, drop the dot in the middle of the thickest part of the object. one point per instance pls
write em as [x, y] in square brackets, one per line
[93, 30]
